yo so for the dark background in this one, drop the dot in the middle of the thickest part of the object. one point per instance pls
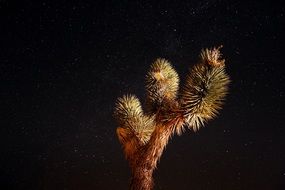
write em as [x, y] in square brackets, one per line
[64, 63]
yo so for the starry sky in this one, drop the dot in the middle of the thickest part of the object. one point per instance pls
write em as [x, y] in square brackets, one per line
[63, 64]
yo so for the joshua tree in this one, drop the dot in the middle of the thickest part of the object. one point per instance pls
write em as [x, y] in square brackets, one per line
[144, 135]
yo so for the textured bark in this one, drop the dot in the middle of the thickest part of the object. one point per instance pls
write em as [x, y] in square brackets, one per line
[146, 159]
[142, 179]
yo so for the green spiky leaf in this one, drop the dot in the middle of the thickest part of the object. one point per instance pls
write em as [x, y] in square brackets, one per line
[205, 89]
[162, 82]
[133, 122]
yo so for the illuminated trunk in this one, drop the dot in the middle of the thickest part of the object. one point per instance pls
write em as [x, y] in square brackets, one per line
[142, 179]
[146, 160]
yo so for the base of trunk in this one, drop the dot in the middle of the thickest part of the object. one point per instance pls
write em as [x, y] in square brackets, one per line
[142, 179]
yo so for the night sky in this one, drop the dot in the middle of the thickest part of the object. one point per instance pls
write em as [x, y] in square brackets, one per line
[63, 65]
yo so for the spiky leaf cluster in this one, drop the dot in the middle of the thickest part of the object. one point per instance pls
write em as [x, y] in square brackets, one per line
[135, 127]
[212, 57]
[162, 82]
[205, 89]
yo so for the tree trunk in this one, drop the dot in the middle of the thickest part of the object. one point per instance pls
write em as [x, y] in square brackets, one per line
[146, 160]
[141, 179]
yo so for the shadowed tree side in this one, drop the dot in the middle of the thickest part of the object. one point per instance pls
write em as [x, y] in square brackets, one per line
[144, 135]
